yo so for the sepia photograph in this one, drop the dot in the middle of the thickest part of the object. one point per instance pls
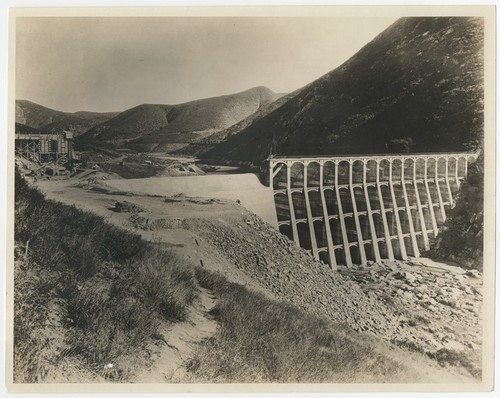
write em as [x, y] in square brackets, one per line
[251, 199]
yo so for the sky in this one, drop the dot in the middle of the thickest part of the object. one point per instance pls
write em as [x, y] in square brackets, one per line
[114, 63]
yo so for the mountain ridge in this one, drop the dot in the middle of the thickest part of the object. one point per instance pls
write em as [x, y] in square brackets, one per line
[48, 120]
[152, 125]
[417, 86]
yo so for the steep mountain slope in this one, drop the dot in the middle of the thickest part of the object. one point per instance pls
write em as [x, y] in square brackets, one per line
[131, 123]
[150, 125]
[417, 86]
[51, 121]
[461, 239]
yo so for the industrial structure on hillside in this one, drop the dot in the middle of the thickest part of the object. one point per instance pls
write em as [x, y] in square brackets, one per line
[354, 209]
[42, 148]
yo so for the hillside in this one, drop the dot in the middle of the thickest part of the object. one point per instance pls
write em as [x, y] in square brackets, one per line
[148, 126]
[51, 121]
[461, 238]
[23, 129]
[418, 86]
[34, 115]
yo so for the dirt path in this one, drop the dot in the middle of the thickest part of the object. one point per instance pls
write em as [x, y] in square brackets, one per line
[168, 357]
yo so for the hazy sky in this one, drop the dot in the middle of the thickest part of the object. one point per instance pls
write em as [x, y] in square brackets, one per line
[115, 63]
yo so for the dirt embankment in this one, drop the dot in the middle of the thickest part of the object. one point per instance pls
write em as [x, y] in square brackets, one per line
[243, 188]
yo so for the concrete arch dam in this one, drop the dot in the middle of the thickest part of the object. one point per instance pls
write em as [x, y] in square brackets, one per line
[350, 210]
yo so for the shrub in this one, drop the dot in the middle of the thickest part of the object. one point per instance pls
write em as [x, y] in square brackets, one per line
[461, 238]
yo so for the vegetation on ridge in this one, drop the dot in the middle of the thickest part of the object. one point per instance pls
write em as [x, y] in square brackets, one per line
[48, 120]
[155, 126]
[418, 86]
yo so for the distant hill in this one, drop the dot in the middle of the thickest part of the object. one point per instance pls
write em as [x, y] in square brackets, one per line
[151, 126]
[52, 121]
[418, 86]
[34, 115]
[206, 144]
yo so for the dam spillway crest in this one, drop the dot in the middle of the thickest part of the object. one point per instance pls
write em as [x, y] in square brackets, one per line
[355, 209]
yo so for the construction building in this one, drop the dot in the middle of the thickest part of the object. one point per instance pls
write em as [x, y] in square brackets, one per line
[42, 148]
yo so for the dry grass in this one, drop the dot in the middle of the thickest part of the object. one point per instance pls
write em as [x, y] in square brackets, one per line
[32, 359]
[86, 292]
[169, 291]
[447, 357]
[260, 340]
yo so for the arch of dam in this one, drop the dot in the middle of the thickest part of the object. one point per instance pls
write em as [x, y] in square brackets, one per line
[353, 209]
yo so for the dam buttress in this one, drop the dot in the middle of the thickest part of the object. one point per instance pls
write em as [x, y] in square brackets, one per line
[354, 209]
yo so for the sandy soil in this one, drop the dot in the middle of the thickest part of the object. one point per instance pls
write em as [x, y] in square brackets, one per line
[168, 358]
[186, 243]
[243, 187]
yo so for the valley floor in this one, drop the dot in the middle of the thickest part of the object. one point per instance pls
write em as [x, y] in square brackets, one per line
[419, 312]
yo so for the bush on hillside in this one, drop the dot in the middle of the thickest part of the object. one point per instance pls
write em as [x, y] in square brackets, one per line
[461, 238]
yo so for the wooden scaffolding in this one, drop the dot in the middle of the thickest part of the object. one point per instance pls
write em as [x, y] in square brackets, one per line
[42, 148]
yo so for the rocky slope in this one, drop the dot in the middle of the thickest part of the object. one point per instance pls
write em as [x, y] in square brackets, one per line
[149, 126]
[51, 121]
[429, 309]
[418, 86]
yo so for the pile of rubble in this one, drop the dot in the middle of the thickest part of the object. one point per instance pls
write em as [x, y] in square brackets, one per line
[424, 308]
[443, 306]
